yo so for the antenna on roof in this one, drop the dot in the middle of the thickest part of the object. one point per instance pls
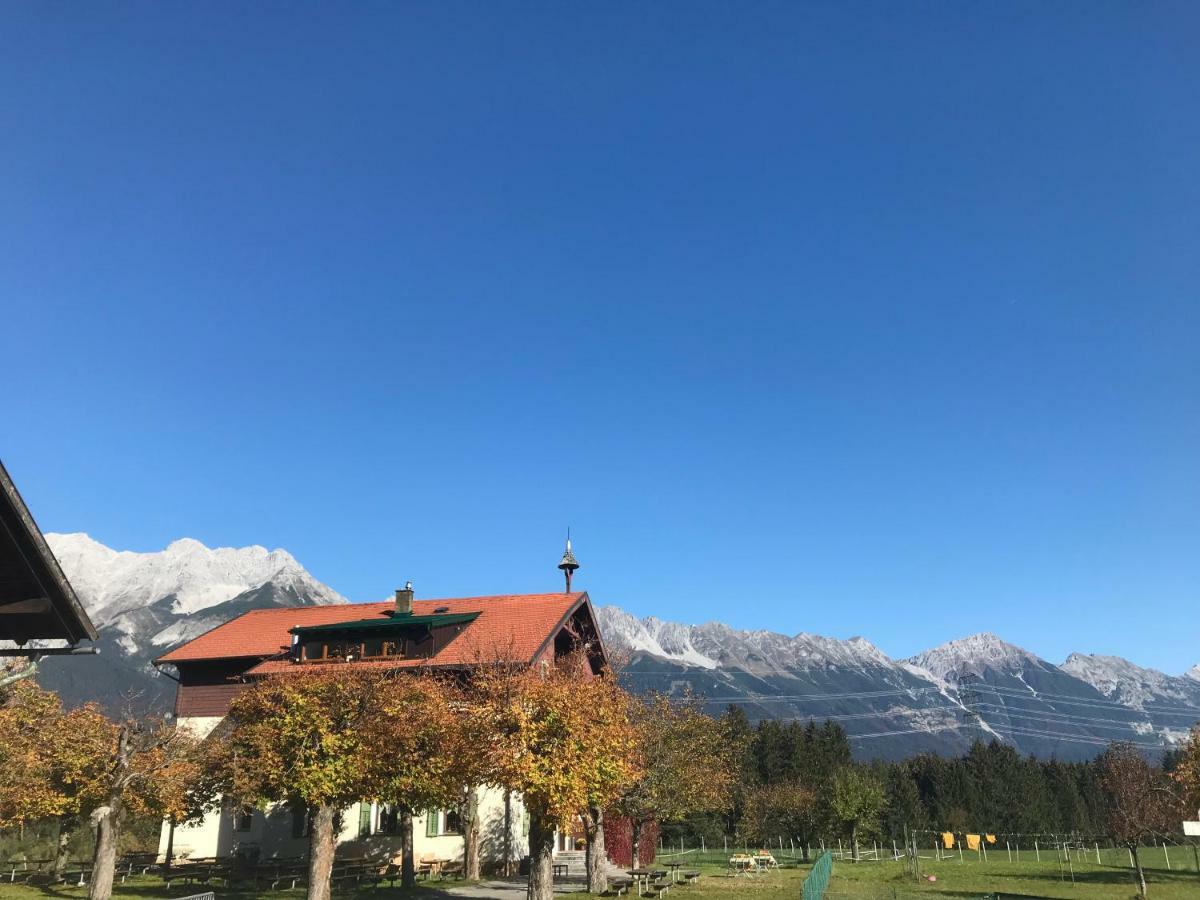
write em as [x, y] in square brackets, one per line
[569, 563]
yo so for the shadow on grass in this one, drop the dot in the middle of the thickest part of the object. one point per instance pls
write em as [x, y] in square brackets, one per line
[1103, 877]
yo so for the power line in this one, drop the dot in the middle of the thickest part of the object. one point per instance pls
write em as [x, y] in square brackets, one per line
[1064, 736]
[1119, 724]
[1064, 698]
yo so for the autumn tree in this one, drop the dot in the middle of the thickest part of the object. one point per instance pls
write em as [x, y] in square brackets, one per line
[78, 765]
[424, 754]
[1140, 803]
[148, 762]
[859, 799]
[785, 808]
[54, 762]
[562, 739]
[1187, 772]
[305, 739]
[688, 765]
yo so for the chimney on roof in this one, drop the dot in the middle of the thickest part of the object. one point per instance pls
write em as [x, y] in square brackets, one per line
[404, 598]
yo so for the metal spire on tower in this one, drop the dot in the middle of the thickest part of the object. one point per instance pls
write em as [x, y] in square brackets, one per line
[569, 563]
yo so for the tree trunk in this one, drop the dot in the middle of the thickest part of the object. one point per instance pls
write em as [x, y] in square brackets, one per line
[507, 832]
[854, 841]
[62, 852]
[104, 859]
[1137, 865]
[322, 845]
[167, 857]
[597, 863]
[470, 820]
[408, 865]
[541, 856]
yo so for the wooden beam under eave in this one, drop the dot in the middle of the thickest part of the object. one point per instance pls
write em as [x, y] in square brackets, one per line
[33, 606]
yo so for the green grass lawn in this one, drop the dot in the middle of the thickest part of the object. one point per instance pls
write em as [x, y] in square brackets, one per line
[1020, 879]
[1023, 877]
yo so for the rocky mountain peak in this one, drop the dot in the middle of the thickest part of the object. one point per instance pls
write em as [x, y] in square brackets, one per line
[197, 578]
[974, 653]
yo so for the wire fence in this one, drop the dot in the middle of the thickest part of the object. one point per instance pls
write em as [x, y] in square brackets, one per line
[1025, 850]
[817, 882]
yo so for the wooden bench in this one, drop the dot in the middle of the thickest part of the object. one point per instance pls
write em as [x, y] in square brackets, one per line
[619, 885]
[659, 887]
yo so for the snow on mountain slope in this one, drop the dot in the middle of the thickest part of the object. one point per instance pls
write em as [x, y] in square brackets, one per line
[144, 603]
[715, 644]
[1133, 685]
[663, 639]
[111, 583]
[970, 654]
[1193, 672]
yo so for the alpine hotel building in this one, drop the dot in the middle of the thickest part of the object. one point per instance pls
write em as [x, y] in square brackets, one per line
[448, 634]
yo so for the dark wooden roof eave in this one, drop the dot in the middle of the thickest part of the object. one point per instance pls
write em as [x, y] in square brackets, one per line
[584, 602]
[27, 555]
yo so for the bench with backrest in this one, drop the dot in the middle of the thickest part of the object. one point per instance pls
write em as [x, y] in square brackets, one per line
[78, 873]
[281, 872]
[200, 871]
[136, 864]
[24, 867]
[356, 871]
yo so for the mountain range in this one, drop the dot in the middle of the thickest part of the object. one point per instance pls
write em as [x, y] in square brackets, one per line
[939, 700]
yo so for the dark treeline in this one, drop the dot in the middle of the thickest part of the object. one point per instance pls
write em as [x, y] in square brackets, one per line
[792, 783]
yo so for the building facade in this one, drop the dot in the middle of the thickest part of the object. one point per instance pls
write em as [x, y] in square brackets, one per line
[448, 635]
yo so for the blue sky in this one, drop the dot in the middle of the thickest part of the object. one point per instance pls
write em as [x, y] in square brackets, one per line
[849, 318]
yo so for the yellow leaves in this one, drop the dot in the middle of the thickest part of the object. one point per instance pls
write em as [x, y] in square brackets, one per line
[339, 735]
[561, 739]
[1187, 772]
[685, 759]
[69, 761]
[56, 762]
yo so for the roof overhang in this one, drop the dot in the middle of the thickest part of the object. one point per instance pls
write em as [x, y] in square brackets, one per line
[36, 600]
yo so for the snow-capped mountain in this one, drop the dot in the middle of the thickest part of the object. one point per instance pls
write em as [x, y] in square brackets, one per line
[1193, 672]
[114, 582]
[972, 655]
[144, 603]
[1132, 685]
[941, 699]
[887, 709]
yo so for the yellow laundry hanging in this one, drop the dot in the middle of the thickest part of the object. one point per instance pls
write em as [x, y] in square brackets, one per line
[990, 838]
[948, 840]
[973, 842]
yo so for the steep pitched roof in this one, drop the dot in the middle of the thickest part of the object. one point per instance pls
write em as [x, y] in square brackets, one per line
[36, 600]
[508, 626]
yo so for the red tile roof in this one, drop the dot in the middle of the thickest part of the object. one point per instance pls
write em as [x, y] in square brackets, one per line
[512, 626]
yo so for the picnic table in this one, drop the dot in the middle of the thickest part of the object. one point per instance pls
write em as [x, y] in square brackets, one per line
[742, 864]
[764, 860]
[674, 867]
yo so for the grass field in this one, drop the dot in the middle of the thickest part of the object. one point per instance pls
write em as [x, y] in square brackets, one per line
[1024, 876]
[1021, 879]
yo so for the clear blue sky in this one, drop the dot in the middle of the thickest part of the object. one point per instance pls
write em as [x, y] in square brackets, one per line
[848, 318]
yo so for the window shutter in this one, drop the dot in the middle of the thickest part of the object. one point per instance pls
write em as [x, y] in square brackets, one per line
[364, 819]
[431, 822]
